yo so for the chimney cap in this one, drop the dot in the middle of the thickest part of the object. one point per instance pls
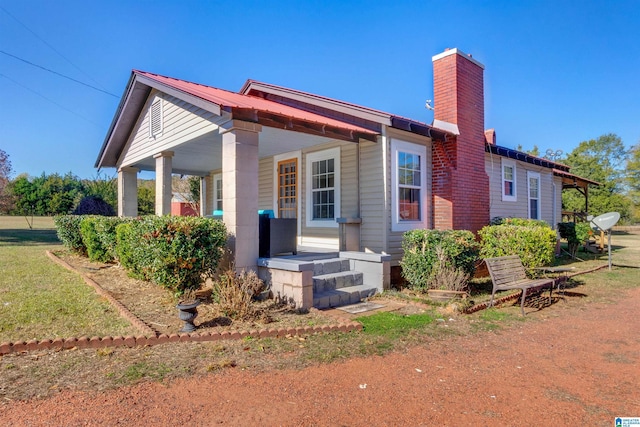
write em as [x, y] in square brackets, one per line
[456, 51]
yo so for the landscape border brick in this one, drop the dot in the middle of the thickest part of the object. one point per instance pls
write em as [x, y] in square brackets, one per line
[151, 337]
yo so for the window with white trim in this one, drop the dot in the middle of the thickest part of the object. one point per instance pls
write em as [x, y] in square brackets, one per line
[533, 179]
[509, 181]
[409, 185]
[323, 188]
[217, 192]
[155, 118]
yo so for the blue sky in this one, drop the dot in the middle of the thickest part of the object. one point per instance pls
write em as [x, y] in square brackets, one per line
[556, 72]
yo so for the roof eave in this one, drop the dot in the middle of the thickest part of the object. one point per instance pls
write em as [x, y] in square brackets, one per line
[116, 122]
[419, 128]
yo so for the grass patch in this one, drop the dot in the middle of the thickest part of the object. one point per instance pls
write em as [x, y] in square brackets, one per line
[392, 324]
[38, 298]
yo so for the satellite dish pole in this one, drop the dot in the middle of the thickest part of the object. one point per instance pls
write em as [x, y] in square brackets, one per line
[605, 222]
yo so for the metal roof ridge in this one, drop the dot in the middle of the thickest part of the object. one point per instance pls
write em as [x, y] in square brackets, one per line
[248, 83]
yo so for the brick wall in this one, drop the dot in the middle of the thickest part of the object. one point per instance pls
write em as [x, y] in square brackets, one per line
[460, 184]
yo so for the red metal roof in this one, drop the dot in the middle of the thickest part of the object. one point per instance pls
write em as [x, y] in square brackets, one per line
[230, 99]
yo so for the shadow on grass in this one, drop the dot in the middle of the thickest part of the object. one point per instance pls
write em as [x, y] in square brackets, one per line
[22, 237]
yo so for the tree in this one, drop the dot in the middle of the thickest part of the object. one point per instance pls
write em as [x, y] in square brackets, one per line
[146, 199]
[6, 201]
[633, 180]
[535, 151]
[600, 160]
[103, 187]
[46, 195]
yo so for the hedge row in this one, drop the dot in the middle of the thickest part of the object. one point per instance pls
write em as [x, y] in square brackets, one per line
[534, 243]
[532, 240]
[178, 253]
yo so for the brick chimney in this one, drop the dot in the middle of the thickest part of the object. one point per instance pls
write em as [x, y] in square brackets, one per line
[460, 183]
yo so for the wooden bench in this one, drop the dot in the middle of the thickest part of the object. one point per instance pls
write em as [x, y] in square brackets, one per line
[507, 272]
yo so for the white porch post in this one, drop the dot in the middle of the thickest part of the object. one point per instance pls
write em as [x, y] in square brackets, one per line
[163, 182]
[240, 191]
[203, 195]
[127, 191]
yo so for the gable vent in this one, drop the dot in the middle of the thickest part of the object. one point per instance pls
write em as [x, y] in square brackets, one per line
[155, 126]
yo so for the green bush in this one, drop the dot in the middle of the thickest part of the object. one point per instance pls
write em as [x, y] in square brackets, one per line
[534, 244]
[99, 237]
[178, 253]
[420, 260]
[126, 248]
[522, 222]
[68, 230]
[576, 234]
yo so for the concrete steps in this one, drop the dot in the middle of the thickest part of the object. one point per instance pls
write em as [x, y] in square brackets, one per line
[335, 284]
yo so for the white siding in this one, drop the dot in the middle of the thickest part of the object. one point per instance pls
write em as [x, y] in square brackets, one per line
[519, 208]
[371, 197]
[181, 123]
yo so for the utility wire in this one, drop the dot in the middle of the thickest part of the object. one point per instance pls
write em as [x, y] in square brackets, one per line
[50, 100]
[57, 73]
[50, 46]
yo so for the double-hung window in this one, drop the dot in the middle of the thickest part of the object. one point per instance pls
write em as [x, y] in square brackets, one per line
[533, 179]
[217, 192]
[323, 188]
[409, 178]
[509, 181]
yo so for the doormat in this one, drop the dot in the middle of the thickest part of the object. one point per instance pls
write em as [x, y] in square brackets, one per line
[360, 307]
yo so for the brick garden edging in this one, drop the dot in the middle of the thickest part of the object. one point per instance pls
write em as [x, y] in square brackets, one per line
[151, 337]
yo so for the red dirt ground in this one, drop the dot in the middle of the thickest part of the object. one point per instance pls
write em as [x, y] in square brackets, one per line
[578, 366]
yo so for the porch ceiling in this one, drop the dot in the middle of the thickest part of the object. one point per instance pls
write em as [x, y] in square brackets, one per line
[201, 155]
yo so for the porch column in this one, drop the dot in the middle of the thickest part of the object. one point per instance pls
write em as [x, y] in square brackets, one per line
[127, 191]
[163, 182]
[240, 191]
[203, 195]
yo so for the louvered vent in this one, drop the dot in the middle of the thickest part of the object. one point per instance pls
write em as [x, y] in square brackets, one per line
[156, 118]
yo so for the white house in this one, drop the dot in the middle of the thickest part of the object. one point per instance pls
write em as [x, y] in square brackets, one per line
[353, 179]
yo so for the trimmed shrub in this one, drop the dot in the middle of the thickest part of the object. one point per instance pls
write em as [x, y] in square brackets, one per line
[99, 237]
[94, 205]
[178, 253]
[522, 222]
[425, 250]
[534, 244]
[126, 250]
[68, 230]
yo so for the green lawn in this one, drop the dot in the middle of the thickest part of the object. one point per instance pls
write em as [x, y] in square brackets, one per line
[38, 298]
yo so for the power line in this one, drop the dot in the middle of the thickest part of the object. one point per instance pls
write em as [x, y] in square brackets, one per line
[51, 47]
[59, 74]
[50, 100]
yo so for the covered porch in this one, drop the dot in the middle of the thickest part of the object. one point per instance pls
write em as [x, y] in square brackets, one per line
[251, 155]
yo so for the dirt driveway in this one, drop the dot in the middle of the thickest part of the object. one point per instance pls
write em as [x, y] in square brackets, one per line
[577, 366]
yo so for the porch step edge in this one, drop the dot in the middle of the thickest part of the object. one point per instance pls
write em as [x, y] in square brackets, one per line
[332, 281]
[342, 296]
[331, 265]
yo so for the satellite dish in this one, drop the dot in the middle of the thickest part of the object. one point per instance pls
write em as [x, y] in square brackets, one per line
[605, 221]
